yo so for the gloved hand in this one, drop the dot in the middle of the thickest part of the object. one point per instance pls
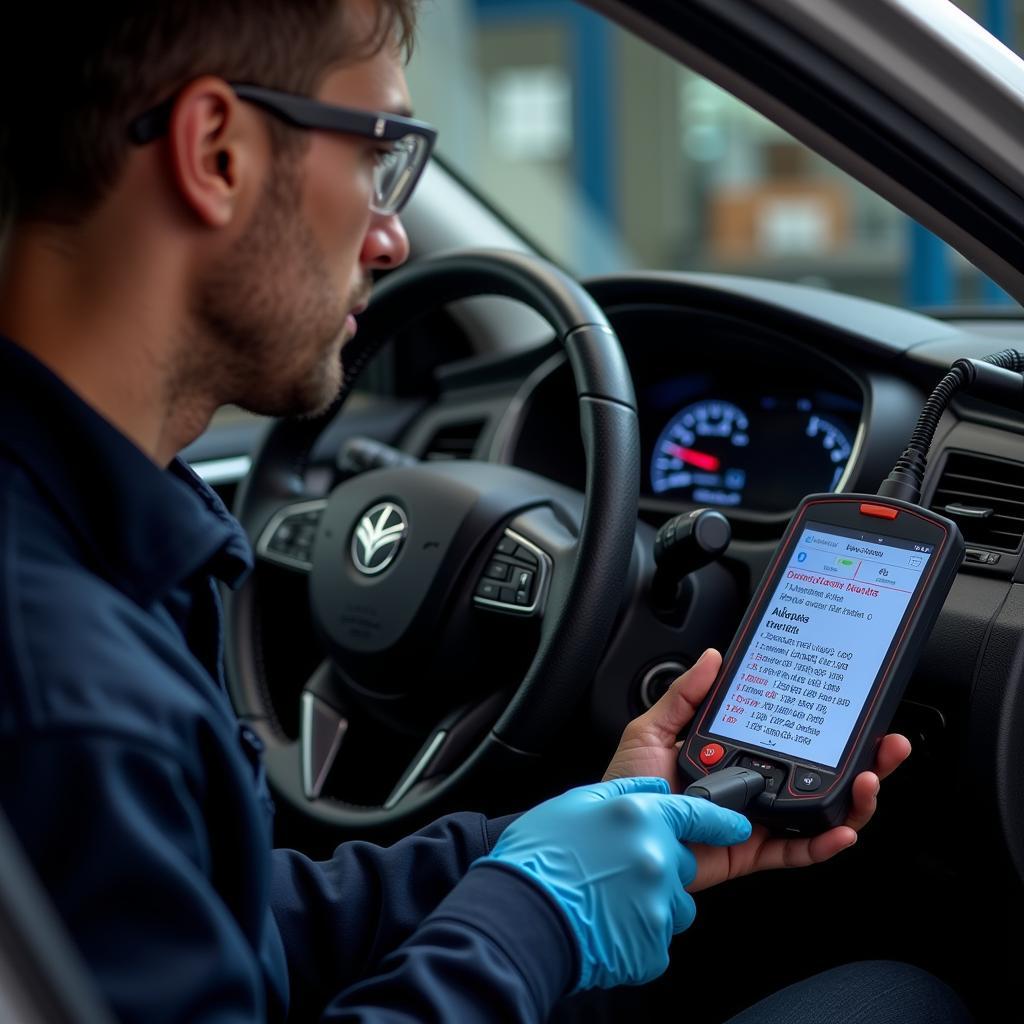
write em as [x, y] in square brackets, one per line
[611, 855]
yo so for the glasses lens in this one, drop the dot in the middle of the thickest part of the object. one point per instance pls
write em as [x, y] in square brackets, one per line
[397, 172]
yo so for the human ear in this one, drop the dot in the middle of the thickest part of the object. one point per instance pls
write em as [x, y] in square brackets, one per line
[212, 149]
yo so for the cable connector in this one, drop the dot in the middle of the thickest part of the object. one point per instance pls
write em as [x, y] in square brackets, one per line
[996, 377]
[733, 788]
[904, 484]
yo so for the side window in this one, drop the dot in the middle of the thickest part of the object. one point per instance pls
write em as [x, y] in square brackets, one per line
[610, 156]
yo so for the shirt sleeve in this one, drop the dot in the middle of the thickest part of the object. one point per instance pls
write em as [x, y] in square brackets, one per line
[496, 948]
[340, 917]
[116, 830]
[116, 835]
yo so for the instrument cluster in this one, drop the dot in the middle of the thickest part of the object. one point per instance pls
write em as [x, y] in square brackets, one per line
[712, 443]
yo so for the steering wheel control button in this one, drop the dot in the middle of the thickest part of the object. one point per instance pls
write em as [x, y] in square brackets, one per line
[523, 569]
[289, 536]
[524, 555]
[522, 580]
[711, 754]
[806, 781]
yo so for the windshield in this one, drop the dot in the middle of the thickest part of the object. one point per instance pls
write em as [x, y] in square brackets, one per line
[610, 156]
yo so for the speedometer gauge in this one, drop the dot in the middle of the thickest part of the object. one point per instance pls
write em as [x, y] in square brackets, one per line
[701, 451]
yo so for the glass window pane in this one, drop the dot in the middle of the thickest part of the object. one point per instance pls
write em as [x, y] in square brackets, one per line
[612, 156]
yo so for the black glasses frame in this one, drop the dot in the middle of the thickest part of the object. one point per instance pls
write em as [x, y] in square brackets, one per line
[304, 112]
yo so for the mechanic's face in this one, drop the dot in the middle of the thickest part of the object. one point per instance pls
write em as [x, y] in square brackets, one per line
[285, 295]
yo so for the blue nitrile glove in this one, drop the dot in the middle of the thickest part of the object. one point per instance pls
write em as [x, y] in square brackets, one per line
[611, 855]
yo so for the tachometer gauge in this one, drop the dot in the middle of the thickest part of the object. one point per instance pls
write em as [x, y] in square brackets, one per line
[835, 442]
[702, 452]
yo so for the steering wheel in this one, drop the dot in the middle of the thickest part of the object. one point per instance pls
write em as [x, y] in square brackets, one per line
[418, 573]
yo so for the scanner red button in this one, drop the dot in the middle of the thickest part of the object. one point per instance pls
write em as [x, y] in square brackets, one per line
[879, 511]
[711, 753]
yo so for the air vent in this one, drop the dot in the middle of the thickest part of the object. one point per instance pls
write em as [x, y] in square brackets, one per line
[984, 497]
[454, 441]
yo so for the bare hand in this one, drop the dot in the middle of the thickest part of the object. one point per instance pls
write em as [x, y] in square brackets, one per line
[649, 747]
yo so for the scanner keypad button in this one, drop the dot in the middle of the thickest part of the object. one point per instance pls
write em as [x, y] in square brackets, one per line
[806, 781]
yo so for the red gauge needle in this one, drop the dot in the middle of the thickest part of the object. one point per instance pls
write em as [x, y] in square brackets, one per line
[699, 459]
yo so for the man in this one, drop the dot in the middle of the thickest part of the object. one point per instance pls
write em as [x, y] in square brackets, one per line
[176, 245]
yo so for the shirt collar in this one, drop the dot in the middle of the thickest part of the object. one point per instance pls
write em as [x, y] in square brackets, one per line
[148, 528]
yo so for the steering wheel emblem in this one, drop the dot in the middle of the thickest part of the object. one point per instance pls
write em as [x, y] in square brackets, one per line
[378, 538]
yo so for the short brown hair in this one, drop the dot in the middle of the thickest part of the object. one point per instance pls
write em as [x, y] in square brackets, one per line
[74, 75]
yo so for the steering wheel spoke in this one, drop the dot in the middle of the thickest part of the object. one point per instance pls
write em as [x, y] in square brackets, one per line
[419, 766]
[445, 747]
[322, 727]
[287, 539]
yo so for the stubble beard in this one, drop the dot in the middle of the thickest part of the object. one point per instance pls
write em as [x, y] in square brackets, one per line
[271, 320]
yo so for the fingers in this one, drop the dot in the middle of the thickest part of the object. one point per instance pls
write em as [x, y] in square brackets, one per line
[621, 787]
[828, 844]
[701, 821]
[686, 865]
[864, 800]
[802, 853]
[684, 910]
[892, 752]
[796, 853]
[680, 702]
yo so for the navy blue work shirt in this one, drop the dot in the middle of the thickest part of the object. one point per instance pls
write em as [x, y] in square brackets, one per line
[141, 801]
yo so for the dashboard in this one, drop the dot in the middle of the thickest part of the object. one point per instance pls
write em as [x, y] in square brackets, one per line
[732, 416]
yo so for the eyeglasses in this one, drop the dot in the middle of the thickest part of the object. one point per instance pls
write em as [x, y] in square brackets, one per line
[398, 166]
